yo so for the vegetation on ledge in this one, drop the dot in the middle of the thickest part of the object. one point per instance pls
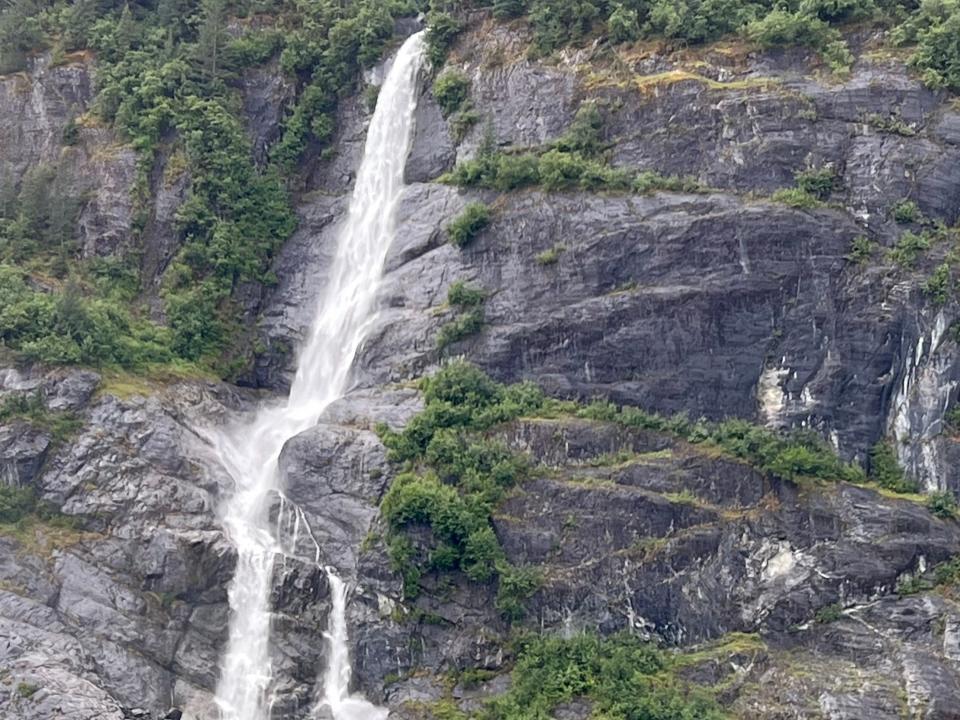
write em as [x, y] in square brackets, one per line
[622, 677]
[439, 509]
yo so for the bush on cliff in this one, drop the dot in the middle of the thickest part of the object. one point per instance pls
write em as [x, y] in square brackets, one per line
[468, 224]
[622, 677]
[457, 478]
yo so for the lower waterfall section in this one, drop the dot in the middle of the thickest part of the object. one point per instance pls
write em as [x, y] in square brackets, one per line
[249, 452]
[336, 679]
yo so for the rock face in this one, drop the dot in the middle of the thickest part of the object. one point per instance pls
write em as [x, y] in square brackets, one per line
[717, 303]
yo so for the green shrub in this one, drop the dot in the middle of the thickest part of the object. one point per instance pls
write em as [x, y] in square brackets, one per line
[560, 170]
[829, 614]
[463, 295]
[464, 476]
[939, 287]
[784, 28]
[649, 181]
[906, 211]
[584, 134]
[943, 504]
[450, 90]
[623, 25]
[796, 198]
[861, 249]
[504, 9]
[558, 22]
[442, 30]
[515, 171]
[819, 182]
[886, 472]
[465, 228]
[891, 123]
[517, 585]
[948, 573]
[952, 418]
[794, 456]
[461, 122]
[71, 327]
[461, 327]
[698, 21]
[16, 503]
[31, 408]
[27, 690]
[550, 256]
[935, 30]
[909, 248]
[622, 677]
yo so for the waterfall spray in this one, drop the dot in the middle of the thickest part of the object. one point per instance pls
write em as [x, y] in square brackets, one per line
[249, 452]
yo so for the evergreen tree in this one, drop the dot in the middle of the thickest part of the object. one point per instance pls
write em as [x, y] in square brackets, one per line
[211, 36]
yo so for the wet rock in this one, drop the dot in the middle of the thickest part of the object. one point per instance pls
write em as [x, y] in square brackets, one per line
[23, 449]
[335, 476]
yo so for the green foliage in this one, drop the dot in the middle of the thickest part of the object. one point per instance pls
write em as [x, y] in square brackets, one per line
[785, 28]
[948, 573]
[462, 326]
[829, 613]
[517, 585]
[796, 198]
[462, 477]
[560, 169]
[906, 211]
[505, 9]
[819, 182]
[21, 32]
[699, 20]
[442, 30]
[623, 25]
[30, 408]
[19, 505]
[909, 248]
[68, 326]
[463, 295]
[469, 321]
[939, 286]
[41, 220]
[584, 135]
[550, 256]
[450, 90]
[952, 418]
[465, 228]
[558, 22]
[649, 181]
[943, 504]
[622, 678]
[886, 472]
[329, 43]
[861, 249]
[16, 503]
[27, 690]
[794, 456]
[935, 30]
[461, 122]
[891, 123]
[813, 186]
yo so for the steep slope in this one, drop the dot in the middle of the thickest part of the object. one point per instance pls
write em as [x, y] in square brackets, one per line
[786, 597]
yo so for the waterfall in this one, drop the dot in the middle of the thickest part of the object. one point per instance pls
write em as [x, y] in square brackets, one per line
[249, 452]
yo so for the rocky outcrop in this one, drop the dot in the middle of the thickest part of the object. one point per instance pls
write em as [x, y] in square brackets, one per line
[716, 303]
[634, 530]
[119, 603]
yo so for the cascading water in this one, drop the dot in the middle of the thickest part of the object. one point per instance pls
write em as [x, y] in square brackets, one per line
[249, 452]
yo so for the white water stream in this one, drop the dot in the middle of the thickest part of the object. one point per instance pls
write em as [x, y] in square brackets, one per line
[249, 452]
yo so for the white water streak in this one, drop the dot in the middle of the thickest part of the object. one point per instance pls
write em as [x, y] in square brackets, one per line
[249, 452]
